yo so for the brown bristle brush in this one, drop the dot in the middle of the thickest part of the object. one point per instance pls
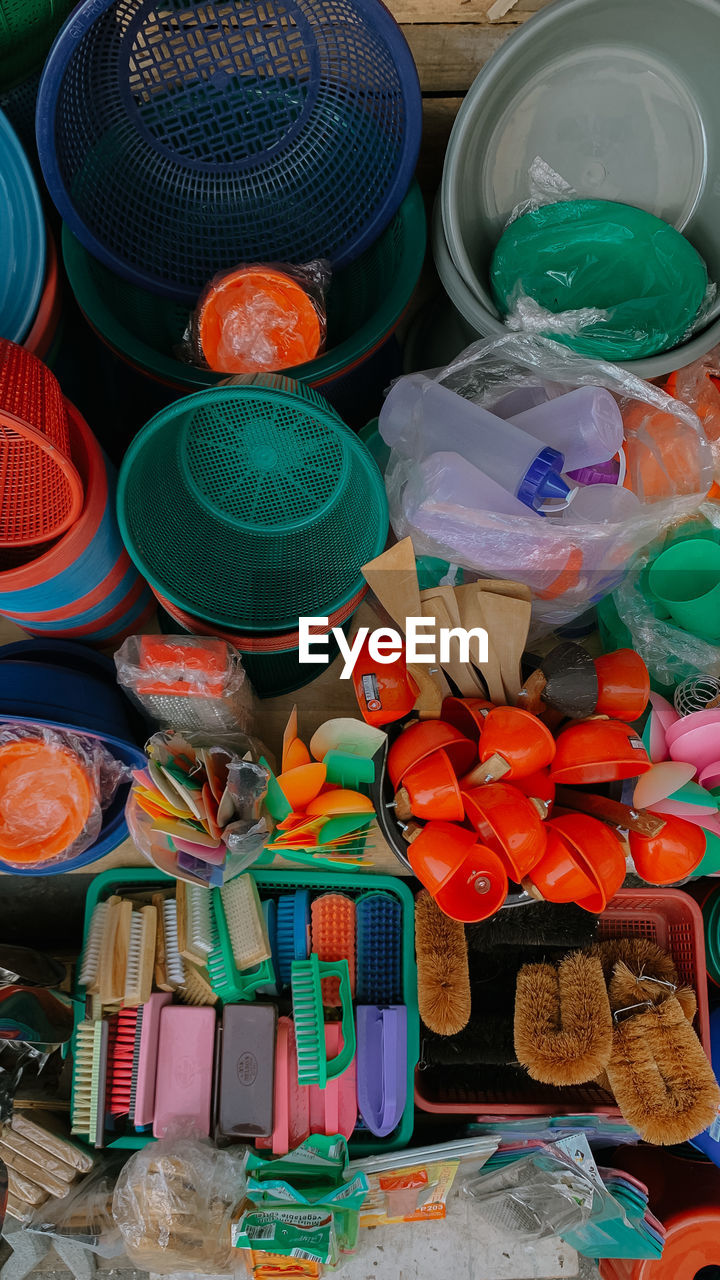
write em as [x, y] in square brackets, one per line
[563, 1025]
[442, 964]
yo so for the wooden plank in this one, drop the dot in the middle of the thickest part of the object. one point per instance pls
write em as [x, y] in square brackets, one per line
[440, 11]
[449, 56]
[438, 118]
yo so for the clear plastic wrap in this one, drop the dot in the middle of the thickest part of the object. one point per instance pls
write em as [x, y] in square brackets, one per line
[173, 1205]
[187, 682]
[542, 1193]
[568, 561]
[54, 786]
[259, 318]
[84, 1215]
[698, 385]
[608, 280]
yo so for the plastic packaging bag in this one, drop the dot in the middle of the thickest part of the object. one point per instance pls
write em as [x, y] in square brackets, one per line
[567, 562]
[85, 1215]
[606, 279]
[541, 1193]
[174, 1203]
[187, 682]
[54, 786]
[698, 385]
[259, 318]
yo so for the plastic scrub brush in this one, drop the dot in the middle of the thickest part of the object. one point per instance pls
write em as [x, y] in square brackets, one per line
[333, 933]
[194, 923]
[173, 959]
[120, 1055]
[196, 990]
[293, 932]
[269, 907]
[444, 999]
[245, 921]
[379, 949]
[88, 1081]
[313, 1064]
[141, 957]
[144, 1064]
[540, 924]
[90, 966]
[225, 979]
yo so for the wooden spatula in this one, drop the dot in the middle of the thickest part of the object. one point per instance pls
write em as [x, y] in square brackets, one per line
[469, 601]
[508, 622]
[434, 605]
[392, 577]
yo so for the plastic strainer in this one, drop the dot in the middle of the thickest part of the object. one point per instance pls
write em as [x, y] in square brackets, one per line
[41, 493]
[252, 506]
[181, 140]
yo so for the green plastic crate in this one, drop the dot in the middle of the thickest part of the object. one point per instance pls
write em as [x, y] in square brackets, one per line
[269, 881]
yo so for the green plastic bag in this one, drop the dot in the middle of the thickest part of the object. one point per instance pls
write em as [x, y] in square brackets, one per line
[580, 257]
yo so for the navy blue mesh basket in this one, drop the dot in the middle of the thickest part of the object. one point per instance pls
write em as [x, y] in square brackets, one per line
[182, 139]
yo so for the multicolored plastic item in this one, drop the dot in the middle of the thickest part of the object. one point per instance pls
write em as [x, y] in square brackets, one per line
[186, 682]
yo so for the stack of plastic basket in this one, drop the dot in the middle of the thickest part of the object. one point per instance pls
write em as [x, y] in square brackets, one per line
[290, 136]
[248, 508]
[63, 568]
[60, 685]
[29, 279]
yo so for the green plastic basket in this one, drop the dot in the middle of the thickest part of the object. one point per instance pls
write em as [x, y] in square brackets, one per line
[365, 304]
[275, 883]
[27, 29]
[251, 507]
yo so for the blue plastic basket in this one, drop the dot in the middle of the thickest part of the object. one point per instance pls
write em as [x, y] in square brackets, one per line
[22, 237]
[180, 141]
[114, 828]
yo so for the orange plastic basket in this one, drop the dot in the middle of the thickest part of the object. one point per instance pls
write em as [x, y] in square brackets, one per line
[41, 493]
[668, 917]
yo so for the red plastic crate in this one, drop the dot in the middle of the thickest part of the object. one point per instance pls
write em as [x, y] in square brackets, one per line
[668, 917]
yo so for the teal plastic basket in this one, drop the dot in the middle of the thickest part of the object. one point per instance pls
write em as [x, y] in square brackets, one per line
[275, 883]
[251, 507]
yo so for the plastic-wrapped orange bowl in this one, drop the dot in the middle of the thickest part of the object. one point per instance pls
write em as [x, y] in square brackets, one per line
[46, 799]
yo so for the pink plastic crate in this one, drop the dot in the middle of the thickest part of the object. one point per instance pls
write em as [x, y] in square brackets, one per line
[666, 916]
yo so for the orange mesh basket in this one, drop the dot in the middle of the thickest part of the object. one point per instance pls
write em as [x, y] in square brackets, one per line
[41, 493]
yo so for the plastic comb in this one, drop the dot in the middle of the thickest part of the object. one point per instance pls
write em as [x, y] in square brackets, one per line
[379, 949]
[245, 921]
[144, 1066]
[307, 976]
[293, 932]
[333, 938]
[88, 1081]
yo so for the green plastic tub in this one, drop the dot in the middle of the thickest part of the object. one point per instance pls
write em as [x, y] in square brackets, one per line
[271, 883]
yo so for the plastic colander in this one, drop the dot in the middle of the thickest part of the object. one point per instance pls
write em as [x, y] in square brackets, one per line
[364, 305]
[22, 236]
[252, 506]
[182, 141]
[40, 490]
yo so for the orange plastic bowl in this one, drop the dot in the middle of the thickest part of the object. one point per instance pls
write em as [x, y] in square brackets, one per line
[467, 715]
[519, 738]
[671, 855]
[599, 852]
[467, 880]
[257, 319]
[420, 740]
[46, 799]
[623, 683]
[509, 824]
[561, 875]
[433, 789]
[539, 786]
[598, 751]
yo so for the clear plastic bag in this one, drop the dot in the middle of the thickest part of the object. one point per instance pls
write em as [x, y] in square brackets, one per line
[54, 786]
[258, 318]
[542, 1193]
[174, 1203]
[606, 279]
[85, 1215]
[187, 682]
[567, 562]
[698, 385]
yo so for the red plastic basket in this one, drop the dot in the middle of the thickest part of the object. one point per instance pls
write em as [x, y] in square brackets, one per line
[41, 493]
[668, 917]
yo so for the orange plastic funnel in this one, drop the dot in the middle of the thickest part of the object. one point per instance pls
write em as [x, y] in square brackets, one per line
[339, 800]
[301, 785]
[519, 739]
[672, 855]
[623, 683]
[433, 790]
[467, 714]
[599, 852]
[560, 875]
[467, 880]
[539, 786]
[509, 824]
[598, 751]
[257, 319]
[384, 690]
[46, 799]
[420, 740]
